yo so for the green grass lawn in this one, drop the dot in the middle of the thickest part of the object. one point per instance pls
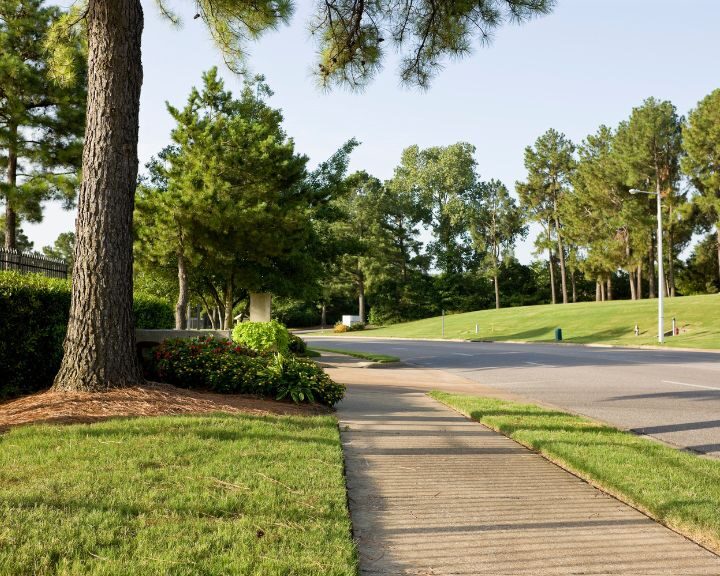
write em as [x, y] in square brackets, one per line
[381, 358]
[680, 489]
[183, 495]
[584, 322]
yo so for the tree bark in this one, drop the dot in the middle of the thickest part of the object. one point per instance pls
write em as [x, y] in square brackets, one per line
[671, 265]
[361, 298]
[574, 286]
[597, 290]
[639, 282]
[633, 289]
[552, 276]
[609, 288]
[323, 315]
[602, 291]
[100, 342]
[182, 301]
[651, 269]
[10, 215]
[228, 302]
[497, 292]
[561, 257]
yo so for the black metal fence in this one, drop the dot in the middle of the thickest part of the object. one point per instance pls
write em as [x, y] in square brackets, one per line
[32, 263]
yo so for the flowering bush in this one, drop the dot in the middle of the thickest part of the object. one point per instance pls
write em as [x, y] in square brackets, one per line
[218, 364]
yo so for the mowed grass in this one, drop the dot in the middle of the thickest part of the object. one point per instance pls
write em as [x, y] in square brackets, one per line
[586, 322]
[677, 488]
[185, 495]
[380, 358]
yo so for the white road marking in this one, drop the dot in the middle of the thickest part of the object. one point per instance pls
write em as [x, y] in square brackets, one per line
[461, 354]
[691, 385]
[543, 365]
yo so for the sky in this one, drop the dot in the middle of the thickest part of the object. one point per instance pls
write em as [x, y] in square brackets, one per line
[588, 63]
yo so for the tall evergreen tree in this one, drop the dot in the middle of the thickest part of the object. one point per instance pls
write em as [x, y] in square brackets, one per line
[701, 163]
[649, 144]
[550, 164]
[41, 113]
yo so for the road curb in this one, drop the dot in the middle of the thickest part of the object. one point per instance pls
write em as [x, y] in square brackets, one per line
[558, 344]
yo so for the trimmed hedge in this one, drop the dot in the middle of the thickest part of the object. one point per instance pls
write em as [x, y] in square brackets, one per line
[34, 312]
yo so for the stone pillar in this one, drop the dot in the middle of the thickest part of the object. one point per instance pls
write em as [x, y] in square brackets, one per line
[260, 306]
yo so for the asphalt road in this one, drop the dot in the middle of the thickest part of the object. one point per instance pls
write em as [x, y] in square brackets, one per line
[671, 395]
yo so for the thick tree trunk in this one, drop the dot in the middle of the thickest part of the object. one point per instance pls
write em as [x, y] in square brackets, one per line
[574, 286]
[100, 342]
[10, 215]
[639, 282]
[602, 290]
[609, 288]
[497, 291]
[182, 301]
[597, 290]
[633, 290]
[552, 276]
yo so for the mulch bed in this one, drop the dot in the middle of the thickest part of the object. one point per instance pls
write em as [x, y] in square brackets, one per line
[152, 399]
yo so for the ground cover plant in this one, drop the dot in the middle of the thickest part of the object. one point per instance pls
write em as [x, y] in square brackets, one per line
[698, 318]
[380, 358]
[679, 489]
[220, 365]
[181, 495]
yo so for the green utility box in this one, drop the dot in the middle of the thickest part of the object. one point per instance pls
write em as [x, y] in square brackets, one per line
[558, 334]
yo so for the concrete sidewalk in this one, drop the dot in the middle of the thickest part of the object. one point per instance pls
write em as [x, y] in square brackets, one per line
[432, 493]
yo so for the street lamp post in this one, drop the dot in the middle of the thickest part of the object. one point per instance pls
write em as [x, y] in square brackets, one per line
[661, 275]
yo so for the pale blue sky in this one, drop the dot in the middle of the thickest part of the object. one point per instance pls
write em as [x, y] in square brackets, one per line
[587, 63]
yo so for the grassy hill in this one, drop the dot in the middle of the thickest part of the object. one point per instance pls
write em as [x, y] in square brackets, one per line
[698, 318]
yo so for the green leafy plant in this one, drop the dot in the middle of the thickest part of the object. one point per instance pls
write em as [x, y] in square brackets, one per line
[263, 336]
[297, 345]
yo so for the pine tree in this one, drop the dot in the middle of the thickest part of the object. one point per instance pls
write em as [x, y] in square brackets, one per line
[701, 163]
[41, 114]
[649, 144]
[550, 164]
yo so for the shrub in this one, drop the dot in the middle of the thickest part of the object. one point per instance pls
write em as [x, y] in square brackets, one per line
[217, 364]
[34, 312]
[341, 328]
[297, 345]
[152, 312]
[263, 336]
[303, 380]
